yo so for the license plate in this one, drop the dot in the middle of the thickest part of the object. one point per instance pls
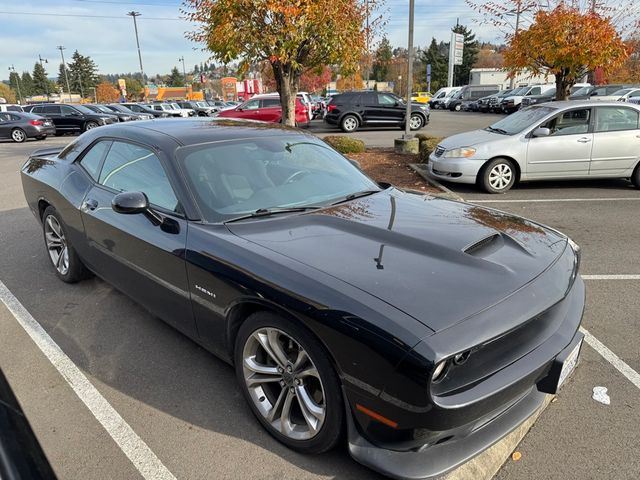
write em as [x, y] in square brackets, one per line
[569, 364]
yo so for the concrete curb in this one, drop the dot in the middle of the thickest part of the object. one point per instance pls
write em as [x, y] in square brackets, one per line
[421, 169]
[489, 462]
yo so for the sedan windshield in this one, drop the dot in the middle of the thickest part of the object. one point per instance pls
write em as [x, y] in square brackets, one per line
[583, 91]
[622, 92]
[239, 177]
[83, 109]
[520, 120]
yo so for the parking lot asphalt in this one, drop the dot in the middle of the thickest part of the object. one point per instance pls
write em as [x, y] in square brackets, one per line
[183, 403]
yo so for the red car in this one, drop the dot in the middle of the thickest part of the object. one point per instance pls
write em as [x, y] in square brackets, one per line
[267, 109]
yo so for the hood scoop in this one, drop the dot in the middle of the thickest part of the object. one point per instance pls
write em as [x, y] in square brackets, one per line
[485, 246]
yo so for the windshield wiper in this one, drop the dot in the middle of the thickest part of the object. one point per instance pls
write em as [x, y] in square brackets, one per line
[497, 130]
[265, 212]
[352, 196]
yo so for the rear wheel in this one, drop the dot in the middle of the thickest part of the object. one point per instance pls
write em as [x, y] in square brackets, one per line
[289, 383]
[90, 126]
[497, 176]
[458, 107]
[350, 123]
[18, 135]
[65, 260]
[635, 177]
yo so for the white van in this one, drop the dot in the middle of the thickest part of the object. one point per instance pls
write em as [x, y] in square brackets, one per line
[10, 107]
[513, 102]
[439, 98]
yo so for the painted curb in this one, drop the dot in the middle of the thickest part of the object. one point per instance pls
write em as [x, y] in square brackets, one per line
[420, 169]
[489, 462]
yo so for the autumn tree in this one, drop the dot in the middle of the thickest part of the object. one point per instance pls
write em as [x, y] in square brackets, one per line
[567, 44]
[293, 35]
[107, 93]
[7, 93]
[315, 79]
[629, 72]
[349, 82]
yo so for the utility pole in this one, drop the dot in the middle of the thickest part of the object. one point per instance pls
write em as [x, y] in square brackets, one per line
[46, 84]
[407, 129]
[518, 11]
[184, 71]
[368, 58]
[13, 69]
[64, 66]
[135, 27]
[81, 90]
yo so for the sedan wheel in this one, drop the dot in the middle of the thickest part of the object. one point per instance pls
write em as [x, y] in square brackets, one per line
[18, 135]
[289, 383]
[90, 126]
[498, 176]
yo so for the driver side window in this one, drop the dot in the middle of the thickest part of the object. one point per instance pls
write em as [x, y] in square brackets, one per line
[66, 110]
[573, 122]
[132, 168]
[386, 100]
[252, 105]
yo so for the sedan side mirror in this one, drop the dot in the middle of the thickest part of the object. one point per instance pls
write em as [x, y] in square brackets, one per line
[541, 132]
[130, 203]
[238, 109]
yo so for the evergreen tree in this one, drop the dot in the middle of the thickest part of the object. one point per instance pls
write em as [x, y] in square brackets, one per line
[469, 56]
[61, 77]
[40, 80]
[14, 79]
[439, 66]
[26, 84]
[196, 68]
[382, 58]
[83, 74]
[175, 78]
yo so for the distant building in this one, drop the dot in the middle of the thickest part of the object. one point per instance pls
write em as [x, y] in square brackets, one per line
[497, 76]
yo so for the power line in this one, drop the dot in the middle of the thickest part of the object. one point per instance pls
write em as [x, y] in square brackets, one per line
[130, 3]
[87, 16]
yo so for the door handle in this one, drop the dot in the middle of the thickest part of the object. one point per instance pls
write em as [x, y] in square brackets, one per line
[584, 140]
[89, 204]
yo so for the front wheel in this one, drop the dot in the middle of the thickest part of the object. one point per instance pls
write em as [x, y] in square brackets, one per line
[18, 135]
[65, 260]
[289, 382]
[497, 176]
[350, 123]
[416, 122]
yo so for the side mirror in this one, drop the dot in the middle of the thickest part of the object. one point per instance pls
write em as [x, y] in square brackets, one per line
[130, 203]
[541, 132]
[238, 109]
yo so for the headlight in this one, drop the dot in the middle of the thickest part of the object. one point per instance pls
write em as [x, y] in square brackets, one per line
[464, 152]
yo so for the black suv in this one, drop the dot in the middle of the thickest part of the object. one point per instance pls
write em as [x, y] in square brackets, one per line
[73, 118]
[351, 110]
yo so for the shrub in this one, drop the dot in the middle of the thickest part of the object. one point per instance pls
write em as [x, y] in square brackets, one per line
[427, 145]
[345, 144]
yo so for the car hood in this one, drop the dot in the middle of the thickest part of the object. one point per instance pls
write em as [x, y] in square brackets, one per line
[469, 139]
[436, 260]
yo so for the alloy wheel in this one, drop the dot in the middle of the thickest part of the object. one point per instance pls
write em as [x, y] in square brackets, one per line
[56, 244]
[350, 124]
[415, 122]
[284, 383]
[91, 125]
[500, 176]
[18, 136]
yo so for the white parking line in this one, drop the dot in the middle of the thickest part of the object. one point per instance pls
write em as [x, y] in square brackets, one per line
[629, 373]
[610, 277]
[147, 463]
[553, 200]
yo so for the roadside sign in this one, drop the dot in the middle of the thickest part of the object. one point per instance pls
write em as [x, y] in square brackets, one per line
[457, 40]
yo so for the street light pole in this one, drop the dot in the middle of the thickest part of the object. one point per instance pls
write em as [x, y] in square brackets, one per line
[184, 71]
[513, 79]
[13, 69]
[135, 27]
[407, 129]
[46, 83]
[64, 66]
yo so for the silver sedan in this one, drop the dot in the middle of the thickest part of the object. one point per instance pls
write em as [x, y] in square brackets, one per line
[559, 140]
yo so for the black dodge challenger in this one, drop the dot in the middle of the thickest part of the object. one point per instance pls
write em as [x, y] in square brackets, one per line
[424, 329]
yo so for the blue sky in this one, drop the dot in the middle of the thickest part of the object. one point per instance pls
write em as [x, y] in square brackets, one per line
[111, 41]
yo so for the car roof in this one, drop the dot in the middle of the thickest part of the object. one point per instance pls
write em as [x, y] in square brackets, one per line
[192, 131]
[585, 103]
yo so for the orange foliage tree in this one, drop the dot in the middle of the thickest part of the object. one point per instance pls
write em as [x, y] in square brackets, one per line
[107, 93]
[293, 35]
[629, 72]
[315, 80]
[349, 82]
[568, 44]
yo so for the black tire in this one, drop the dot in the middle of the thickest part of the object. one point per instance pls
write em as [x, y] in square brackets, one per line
[635, 176]
[497, 176]
[349, 123]
[457, 108]
[76, 270]
[331, 429]
[90, 125]
[413, 119]
[18, 135]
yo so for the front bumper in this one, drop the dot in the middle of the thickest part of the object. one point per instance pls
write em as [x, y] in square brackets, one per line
[459, 170]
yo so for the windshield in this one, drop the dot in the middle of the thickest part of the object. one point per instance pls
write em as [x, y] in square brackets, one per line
[175, 106]
[623, 91]
[517, 122]
[83, 109]
[237, 177]
[102, 109]
[519, 91]
[202, 104]
[582, 91]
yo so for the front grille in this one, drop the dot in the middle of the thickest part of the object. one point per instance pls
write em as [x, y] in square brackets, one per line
[439, 151]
